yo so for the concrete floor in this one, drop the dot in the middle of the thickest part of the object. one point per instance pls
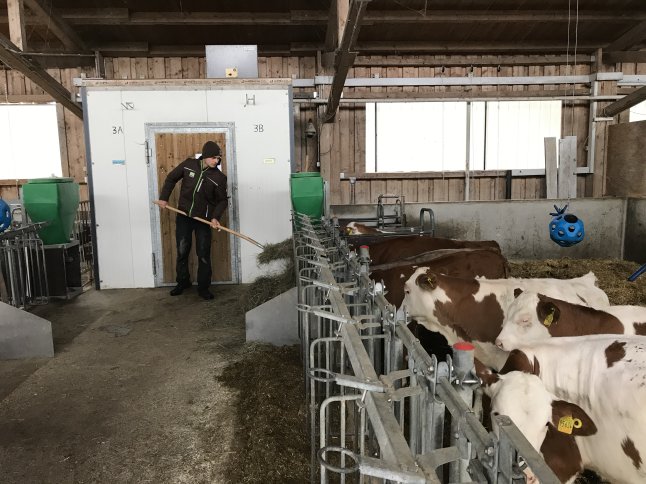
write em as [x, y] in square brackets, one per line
[131, 394]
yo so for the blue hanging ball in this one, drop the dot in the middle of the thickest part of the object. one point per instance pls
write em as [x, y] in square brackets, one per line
[566, 229]
[5, 215]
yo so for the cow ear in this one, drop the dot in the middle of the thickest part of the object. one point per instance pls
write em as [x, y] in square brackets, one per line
[427, 281]
[569, 418]
[519, 361]
[517, 292]
[548, 313]
[487, 375]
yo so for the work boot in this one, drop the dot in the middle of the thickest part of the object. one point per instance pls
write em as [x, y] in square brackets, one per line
[205, 294]
[179, 288]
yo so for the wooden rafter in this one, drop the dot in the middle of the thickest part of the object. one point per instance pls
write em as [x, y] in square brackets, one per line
[16, 12]
[332, 33]
[12, 57]
[345, 56]
[56, 24]
[637, 56]
[634, 36]
[626, 102]
[122, 16]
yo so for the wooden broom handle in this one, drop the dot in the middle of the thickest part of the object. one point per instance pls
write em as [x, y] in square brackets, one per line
[221, 227]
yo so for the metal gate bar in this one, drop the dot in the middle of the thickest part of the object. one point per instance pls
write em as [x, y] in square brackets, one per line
[387, 425]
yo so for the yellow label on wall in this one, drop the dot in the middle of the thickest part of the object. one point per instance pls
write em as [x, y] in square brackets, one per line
[269, 160]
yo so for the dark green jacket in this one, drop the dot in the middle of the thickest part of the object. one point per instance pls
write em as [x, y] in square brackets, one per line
[203, 192]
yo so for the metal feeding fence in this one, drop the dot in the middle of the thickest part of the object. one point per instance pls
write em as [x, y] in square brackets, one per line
[380, 408]
[23, 277]
[83, 233]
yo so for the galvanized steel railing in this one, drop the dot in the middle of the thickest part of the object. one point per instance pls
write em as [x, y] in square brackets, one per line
[380, 408]
[23, 275]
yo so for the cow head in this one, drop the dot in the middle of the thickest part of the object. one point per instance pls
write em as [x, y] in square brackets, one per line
[421, 292]
[549, 424]
[527, 320]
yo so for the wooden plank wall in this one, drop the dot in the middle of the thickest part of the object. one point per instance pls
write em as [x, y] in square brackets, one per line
[347, 152]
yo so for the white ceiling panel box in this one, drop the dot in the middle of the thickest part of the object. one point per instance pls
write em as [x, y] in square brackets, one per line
[126, 123]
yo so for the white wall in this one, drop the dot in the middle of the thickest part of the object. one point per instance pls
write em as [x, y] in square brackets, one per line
[121, 190]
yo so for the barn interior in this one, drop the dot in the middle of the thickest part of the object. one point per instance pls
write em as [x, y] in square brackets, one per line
[473, 120]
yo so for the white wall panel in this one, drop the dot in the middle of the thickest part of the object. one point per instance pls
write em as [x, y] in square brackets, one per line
[262, 135]
[110, 184]
[121, 191]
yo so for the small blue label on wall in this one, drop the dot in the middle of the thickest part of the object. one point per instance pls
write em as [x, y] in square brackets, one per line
[118, 162]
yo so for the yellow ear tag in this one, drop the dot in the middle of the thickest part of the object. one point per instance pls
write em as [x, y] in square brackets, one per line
[549, 319]
[566, 424]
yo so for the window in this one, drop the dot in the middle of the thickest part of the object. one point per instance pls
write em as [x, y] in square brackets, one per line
[432, 136]
[638, 112]
[29, 141]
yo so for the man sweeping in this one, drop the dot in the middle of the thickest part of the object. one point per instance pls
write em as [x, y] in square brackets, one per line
[203, 194]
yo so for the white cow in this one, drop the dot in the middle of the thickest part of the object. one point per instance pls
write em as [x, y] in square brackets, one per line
[534, 317]
[604, 377]
[474, 309]
[354, 228]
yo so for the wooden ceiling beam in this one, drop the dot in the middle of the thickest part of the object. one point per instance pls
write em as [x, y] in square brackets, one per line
[638, 56]
[122, 16]
[58, 26]
[345, 56]
[366, 49]
[12, 57]
[16, 18]
[492, 60]
[332, 33]
[631, 38]
[626, 102]
[447, 48]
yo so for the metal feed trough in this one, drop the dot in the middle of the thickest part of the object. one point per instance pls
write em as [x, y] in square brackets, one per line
[374, 414]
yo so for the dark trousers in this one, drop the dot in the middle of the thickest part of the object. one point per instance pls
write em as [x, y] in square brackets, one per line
[184, 227]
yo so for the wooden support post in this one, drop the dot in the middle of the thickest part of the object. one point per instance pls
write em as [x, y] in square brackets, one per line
[567, 167]
[17, 33]
[551, 168]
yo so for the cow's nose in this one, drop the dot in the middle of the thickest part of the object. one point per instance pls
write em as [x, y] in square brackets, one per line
[499, 344]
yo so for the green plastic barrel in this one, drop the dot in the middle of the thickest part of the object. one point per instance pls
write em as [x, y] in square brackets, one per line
[307, 193]
[53, 200]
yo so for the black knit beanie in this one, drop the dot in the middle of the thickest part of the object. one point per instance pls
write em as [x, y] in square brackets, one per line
[210, 150]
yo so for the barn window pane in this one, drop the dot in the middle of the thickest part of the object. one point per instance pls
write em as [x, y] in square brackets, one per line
[433, 136]
[515, 132]
[638, 112]
[416, 136]
[29, 146]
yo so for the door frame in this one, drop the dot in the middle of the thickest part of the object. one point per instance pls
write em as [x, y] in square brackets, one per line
[226, 128]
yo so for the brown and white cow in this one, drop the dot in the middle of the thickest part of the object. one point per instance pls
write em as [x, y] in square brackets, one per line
[466, 263]
[534, 317]
[385, 248]
[604, 375]
[474, 309]
[552, 426]
[354, 228]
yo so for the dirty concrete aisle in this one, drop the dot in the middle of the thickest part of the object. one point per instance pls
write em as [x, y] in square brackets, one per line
[131, 395]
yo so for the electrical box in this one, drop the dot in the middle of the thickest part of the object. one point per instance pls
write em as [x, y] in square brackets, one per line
[232, 61]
